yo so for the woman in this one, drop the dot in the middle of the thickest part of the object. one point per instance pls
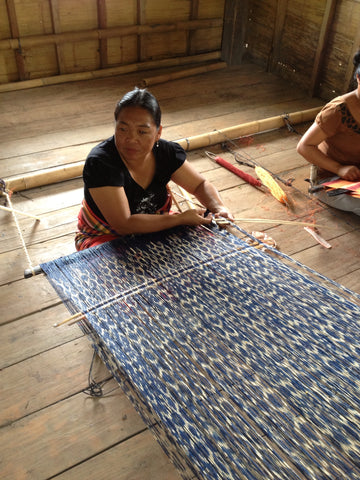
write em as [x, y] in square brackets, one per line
[332, 144]
[126, 177]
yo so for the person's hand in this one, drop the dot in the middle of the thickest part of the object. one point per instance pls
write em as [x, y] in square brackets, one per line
[195, 217]
[349, 172]
[224, 213]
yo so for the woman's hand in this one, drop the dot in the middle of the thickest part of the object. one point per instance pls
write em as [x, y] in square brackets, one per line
[349, 172]
[224, 212]
[194, 217]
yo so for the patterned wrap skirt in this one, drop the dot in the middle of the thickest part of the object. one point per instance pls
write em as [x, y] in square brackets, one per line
[93, 231]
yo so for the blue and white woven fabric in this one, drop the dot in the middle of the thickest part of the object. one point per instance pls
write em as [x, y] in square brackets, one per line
[249, 364]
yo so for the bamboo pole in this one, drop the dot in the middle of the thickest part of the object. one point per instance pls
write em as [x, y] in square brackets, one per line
[146, 82]
[44, 177]
[66, 172]
[109, 72]
[97, 34]
[249, 128]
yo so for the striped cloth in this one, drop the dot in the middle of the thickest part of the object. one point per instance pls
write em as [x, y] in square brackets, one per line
[93, 231]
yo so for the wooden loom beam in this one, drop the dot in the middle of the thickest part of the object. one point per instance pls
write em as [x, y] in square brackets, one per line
[73, 170]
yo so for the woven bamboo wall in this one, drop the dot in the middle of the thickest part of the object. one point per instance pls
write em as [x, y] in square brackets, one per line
[309, 42]
[46, 38]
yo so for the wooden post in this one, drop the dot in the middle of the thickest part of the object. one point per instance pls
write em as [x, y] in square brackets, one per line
[102, 24]
[14, 29]
[190, 34]
[141, 20]
[277, 35]
[54, 10]
[328, 17]
[234, 32]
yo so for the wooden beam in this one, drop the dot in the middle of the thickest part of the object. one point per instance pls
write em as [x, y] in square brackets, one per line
[235, 31]
[274, 56]
[102, 24]
[114, 32]
[328, 17]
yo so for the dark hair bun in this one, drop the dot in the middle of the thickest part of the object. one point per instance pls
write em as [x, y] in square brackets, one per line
[356, 59]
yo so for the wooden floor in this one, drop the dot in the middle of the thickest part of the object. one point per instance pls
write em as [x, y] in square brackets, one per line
[49, 427]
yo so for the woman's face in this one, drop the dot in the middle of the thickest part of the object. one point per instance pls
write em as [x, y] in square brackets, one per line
[135, 133]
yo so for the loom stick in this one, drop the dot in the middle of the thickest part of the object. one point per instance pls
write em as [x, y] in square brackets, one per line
[19, 212]
[232, 168]
[146, 82]
[73, 319]
[266, 220]
[67, 172]
[188, 200]
[174, 200]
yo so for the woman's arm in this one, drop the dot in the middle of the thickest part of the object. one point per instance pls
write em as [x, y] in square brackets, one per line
[193, 182]
[308, 148]
[114, 205]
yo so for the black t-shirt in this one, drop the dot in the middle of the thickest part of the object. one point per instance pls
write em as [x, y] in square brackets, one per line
[104, 167]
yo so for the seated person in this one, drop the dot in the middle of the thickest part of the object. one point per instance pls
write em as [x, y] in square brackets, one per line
[332, 145]
[126, 178]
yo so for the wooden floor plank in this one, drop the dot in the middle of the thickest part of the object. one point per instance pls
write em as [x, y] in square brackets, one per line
[25, 297]
[35, 334]
[65, 434]
[58, 373]
[139, 455]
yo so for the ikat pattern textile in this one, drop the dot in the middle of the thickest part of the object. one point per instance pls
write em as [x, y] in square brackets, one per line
[249, 363]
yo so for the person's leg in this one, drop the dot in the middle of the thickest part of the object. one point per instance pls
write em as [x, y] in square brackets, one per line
[344, 202]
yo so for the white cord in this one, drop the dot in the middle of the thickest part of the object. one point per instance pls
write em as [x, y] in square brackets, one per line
[20, 233]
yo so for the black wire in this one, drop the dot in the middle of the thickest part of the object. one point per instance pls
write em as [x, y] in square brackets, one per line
[94, 388]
